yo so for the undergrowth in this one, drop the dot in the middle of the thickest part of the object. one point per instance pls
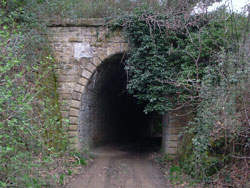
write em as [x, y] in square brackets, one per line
[202, 62]
[31, 130]
[177, 59]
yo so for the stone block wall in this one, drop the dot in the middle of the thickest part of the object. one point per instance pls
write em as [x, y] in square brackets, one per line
[173, 124]
[79, 46]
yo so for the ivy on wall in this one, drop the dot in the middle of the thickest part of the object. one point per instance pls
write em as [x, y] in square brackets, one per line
[199, 61]
[165, 66]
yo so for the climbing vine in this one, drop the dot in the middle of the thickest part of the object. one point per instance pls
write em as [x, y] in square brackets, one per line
[165, 66]
[176, 59]
[195, 61]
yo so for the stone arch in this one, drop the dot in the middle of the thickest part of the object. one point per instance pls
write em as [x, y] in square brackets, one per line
[90, 67]
[108, 114]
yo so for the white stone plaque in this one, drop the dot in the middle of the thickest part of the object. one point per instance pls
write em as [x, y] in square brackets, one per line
[82, 50]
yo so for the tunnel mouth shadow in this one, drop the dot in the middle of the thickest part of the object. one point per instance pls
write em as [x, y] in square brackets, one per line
[146, 145]
[110, 116]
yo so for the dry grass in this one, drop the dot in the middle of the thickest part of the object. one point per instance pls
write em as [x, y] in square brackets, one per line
[94, 8]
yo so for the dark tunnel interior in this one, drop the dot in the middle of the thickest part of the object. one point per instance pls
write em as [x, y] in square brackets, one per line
[110, 115]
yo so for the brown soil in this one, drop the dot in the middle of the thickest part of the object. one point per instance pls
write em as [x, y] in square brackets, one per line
[116, 167]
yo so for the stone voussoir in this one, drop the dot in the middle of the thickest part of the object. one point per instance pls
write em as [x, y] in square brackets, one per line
[83, 81]
[73, 128]
[96, 61]
[102, 56]
[76, 95]
[90, 67]
[73, 120]
[79, 88]
[73, 112]
[86, 74]
[72, 134]
[75, 104]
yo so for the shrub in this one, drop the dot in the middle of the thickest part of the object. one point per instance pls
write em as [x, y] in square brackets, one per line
[30, 124]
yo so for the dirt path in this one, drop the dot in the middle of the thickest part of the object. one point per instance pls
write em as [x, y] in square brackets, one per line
[114, 168]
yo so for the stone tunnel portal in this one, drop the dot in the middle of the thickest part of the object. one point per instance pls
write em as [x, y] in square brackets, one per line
[109, 114]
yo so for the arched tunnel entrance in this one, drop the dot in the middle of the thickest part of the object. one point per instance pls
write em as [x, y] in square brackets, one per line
[110, 115]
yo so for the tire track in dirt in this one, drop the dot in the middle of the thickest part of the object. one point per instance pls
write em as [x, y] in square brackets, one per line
[121, 170]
